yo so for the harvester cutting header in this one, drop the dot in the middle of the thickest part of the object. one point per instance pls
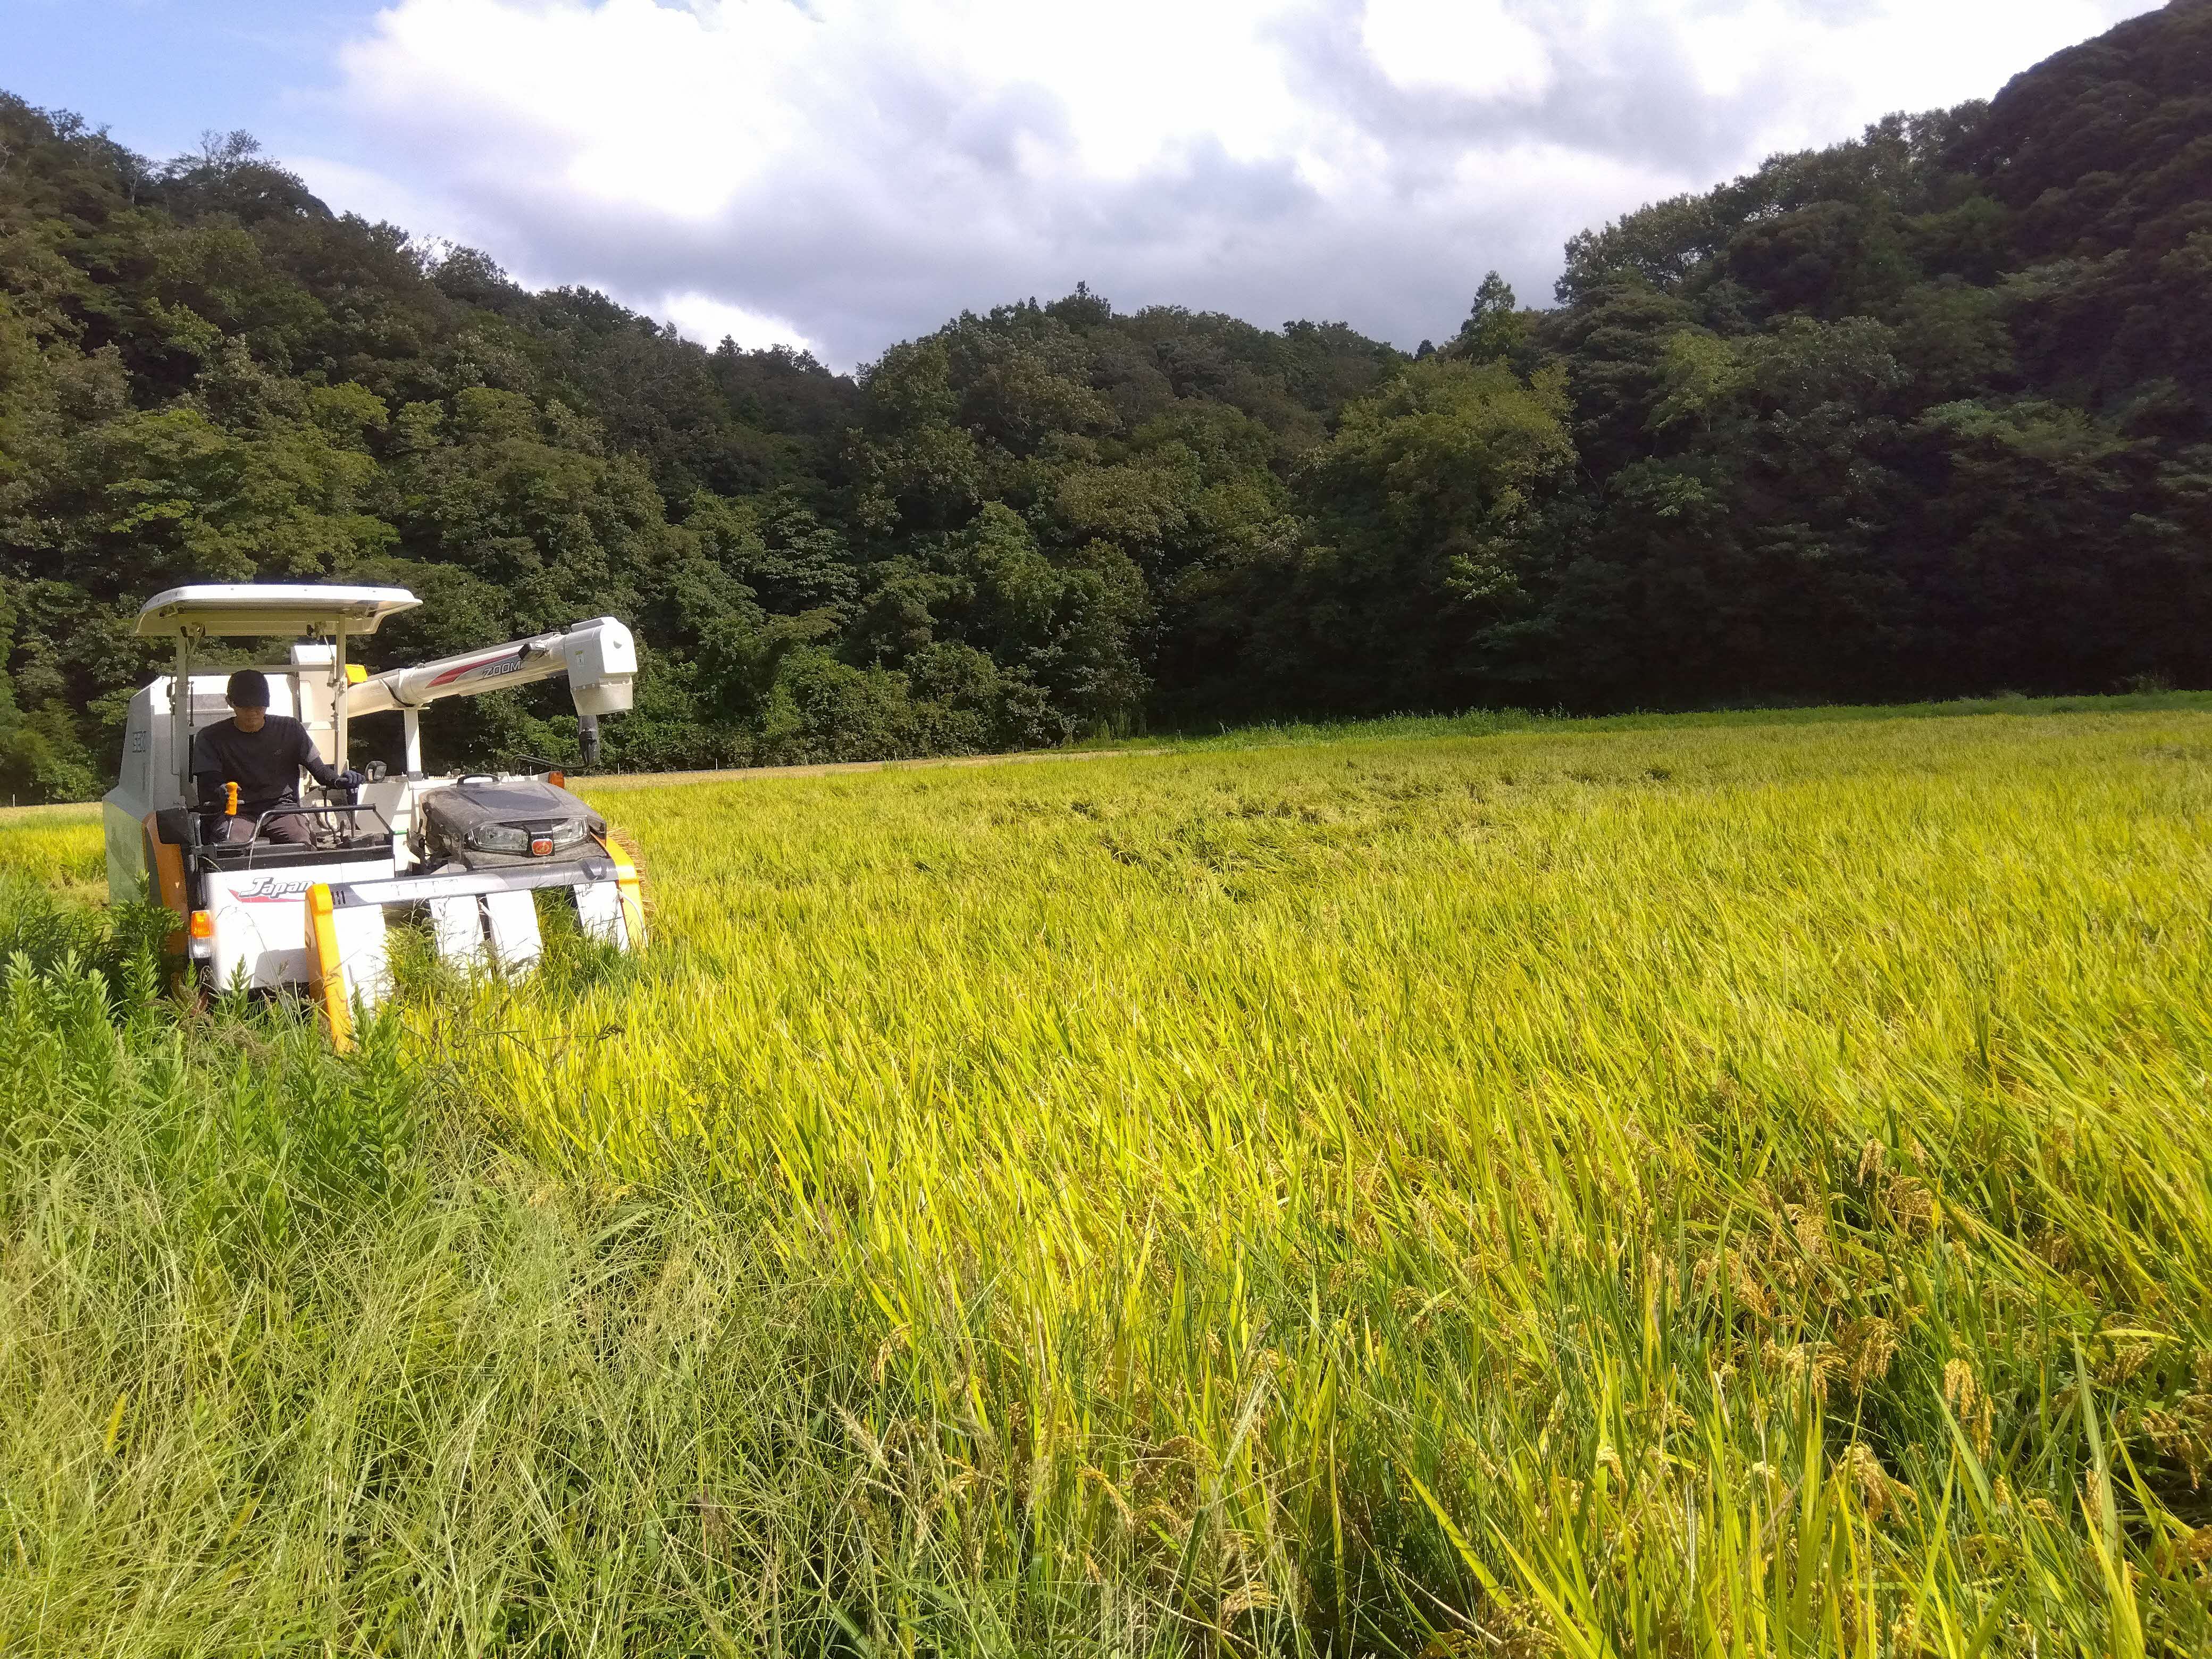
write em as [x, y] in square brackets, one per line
[274, 890]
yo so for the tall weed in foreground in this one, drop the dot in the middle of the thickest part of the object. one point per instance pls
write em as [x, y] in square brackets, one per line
[291, 1360]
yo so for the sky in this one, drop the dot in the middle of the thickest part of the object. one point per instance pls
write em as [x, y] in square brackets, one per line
[841, 174]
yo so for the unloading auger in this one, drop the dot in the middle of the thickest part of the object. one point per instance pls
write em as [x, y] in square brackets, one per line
[471, 851]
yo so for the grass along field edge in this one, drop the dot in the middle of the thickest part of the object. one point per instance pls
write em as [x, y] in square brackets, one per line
[1473, 723]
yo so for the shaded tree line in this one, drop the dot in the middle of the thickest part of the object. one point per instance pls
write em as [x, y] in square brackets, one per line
[1925, 413]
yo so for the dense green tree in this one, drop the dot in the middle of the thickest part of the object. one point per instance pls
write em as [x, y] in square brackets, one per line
[1411, 549]
[1916, 415]
[1494, 330]
[1923, 413]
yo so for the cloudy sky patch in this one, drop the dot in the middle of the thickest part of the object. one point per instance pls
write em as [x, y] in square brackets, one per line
[843, 173]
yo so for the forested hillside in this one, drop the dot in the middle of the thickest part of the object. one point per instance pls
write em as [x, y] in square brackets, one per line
[1925, 413]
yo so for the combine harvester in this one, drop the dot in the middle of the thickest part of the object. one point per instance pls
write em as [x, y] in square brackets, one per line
[471, 851]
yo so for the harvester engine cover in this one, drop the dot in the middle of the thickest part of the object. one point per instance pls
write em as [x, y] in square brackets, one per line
[484, 823]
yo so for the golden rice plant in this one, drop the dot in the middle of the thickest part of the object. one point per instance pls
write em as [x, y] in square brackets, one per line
[1666, 1189]
[1691, 1188]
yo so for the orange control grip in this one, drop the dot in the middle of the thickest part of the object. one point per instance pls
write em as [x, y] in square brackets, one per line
[230, 800]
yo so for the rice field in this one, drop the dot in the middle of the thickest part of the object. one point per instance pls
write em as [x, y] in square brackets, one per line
[1737, 1188]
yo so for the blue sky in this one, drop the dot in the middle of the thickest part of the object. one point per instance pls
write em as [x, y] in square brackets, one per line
[158, 72]
[844, 173]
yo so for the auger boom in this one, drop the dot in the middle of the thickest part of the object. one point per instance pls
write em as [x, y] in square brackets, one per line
[598, 657]
[469, 853]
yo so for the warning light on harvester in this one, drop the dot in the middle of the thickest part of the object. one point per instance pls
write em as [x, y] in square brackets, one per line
[202, 924]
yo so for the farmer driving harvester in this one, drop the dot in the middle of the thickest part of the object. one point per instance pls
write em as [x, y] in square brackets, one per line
[301, 905]
[246, 768]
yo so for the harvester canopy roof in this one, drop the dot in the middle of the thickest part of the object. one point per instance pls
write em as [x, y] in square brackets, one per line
[266, 609]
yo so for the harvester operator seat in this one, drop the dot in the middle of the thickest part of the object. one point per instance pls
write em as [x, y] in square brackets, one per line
[246, 770]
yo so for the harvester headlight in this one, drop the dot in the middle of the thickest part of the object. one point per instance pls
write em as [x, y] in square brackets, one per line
[536, 840]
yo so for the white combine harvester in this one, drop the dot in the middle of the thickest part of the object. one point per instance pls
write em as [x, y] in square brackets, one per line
[471, 851]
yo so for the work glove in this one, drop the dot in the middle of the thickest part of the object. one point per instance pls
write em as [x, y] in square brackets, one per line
[350, 780]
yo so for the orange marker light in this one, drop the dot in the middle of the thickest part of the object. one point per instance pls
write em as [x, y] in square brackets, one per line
[202, 924]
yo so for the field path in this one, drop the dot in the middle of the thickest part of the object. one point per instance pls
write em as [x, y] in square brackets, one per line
[58, 810]
[645, 780]
[70, 809]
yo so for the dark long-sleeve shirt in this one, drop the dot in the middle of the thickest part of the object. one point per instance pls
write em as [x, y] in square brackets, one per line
[264, 764]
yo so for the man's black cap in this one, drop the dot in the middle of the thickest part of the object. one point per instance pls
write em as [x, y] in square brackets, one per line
[248, 688]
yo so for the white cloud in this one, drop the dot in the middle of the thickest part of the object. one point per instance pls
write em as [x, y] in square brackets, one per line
[1849, 62]
[372, 194]
[1472, 47]
[851, 172]
[708, 320]
[627, 101]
